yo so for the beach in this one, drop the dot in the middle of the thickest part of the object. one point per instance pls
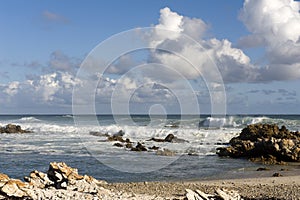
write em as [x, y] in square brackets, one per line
[186, 158]
[286, 187]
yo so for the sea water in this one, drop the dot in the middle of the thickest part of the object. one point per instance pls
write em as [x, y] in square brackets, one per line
[67, 138]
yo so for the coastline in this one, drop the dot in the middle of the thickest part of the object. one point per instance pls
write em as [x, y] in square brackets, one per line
[285, 187]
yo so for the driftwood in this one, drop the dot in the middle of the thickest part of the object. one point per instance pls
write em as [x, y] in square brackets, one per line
[221, 194]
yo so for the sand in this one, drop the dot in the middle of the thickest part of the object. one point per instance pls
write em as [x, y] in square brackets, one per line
[286, 187]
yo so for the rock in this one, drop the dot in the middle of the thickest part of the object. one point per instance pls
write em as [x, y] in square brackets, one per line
[139, 147]
[120, 133]
[276, 174]
[266, 143]
[262, 169]
[60, 182]
[165, 152]
[12, 128]
[129, 145]
[118, 144]
[168, 138]
[115, 138]
[153, 148]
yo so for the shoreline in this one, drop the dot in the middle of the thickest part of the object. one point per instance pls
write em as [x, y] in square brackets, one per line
[285, 187]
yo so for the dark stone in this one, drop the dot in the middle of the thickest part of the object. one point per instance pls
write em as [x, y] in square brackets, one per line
[168, 138]
[139, 147]
[115, 138]
[276, 174]
[118, 144]
[262, 169]
[154, 148]
[12, 128]
[156, 140]
[129, 145]
[128, 140]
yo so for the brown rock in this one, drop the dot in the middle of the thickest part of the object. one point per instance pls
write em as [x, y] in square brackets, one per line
[118, 144]
[12, 128]
[169, 138]
[264, 142]
[115, 138]
[139, 147]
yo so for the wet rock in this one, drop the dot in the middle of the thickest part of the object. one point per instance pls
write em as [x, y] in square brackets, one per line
[115, 138]
[129, 145]
[168, 138]
[154, 148]
[118, 144]
[139, 147]
[266, 143]
[262, 169]
[12, 128]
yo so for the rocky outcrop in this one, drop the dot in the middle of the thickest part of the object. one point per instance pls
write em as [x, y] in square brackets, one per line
[264, 142]
[12, 128]
[60, 182]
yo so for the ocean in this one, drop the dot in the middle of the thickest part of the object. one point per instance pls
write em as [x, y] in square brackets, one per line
[67, 138]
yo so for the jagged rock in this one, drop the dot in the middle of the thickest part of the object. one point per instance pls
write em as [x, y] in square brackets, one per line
[13, 188]
[12, 128]
[60, 182]
[39, 179]
[168, 138]
[139, 147]
[264, 142]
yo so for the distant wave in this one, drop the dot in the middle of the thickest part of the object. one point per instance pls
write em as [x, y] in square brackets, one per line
[68, 116]
[29, 119]
[231, 121]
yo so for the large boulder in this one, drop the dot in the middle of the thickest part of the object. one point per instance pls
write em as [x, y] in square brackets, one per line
[264, 142]
[12, 128]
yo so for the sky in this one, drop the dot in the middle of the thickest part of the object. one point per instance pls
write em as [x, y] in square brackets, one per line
[234, 57]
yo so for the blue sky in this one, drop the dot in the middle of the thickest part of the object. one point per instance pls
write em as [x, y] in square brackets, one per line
[42, 44]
